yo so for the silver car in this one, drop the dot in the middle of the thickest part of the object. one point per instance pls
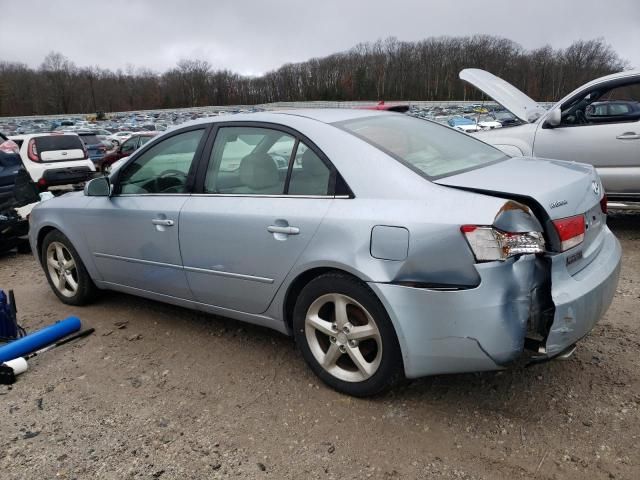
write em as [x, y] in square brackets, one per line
[387, 245]
[598, 123]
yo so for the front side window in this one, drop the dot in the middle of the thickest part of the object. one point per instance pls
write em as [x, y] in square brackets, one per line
[249, 160]
[431, 149]
[613, 103]
[164, 167]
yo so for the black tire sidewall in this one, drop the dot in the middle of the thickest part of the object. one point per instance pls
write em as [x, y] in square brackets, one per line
[390, 369]
[86, 288]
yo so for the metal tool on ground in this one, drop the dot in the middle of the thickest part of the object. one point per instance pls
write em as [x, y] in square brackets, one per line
[77, 336]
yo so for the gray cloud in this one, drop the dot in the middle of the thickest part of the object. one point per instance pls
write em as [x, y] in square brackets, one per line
[252, 37]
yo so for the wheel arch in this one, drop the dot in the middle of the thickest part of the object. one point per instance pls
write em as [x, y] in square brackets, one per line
[301, 281]
[43, 232]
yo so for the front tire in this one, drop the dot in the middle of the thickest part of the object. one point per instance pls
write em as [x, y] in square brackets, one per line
[65, 271]
[345, 335]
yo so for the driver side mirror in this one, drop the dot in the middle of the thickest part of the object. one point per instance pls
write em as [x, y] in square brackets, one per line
[98, 187]
[554, 118]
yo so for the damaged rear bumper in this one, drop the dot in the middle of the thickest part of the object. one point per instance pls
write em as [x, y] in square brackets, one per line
[582, 299]
[484, 328]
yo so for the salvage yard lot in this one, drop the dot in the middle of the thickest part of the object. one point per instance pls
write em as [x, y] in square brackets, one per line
[163, 392]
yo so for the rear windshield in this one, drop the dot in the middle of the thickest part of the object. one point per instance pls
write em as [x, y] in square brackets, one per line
[90, 139]
[431, 149]
[58, 142]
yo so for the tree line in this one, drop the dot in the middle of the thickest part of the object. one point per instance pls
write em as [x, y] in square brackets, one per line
[387, 69]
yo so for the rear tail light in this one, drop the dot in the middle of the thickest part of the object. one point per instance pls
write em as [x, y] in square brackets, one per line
[571, 231]
[603, 204]
[32, 151]
[490, 244]
[9, 146]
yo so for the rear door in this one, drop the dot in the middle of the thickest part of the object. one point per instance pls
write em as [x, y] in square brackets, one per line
[135, 243]
[243, 232]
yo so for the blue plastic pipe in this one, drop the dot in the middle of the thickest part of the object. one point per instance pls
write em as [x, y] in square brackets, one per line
[37, 340]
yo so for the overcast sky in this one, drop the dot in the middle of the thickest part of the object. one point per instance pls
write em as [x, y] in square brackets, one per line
[254, 36]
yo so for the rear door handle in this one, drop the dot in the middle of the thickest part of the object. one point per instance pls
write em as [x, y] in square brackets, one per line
[163, 222]
[284, 230]
[628, 136]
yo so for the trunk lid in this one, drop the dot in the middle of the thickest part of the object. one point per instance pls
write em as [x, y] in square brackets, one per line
[553, 189]
[521, 105]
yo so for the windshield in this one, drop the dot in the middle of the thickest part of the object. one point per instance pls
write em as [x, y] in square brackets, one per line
[431, 149]
[58, 142]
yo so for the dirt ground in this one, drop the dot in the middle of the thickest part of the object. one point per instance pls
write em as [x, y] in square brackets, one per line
[163, 392]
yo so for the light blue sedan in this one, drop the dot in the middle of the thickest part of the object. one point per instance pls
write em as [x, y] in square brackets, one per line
[388, 246]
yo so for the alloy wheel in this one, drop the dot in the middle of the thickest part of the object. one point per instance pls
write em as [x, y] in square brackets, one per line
[343, 337]
[62, 269]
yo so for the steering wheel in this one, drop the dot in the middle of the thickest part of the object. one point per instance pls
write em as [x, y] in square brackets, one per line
[170, 181]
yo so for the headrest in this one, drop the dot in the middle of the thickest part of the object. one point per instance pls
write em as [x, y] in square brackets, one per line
[259, 171]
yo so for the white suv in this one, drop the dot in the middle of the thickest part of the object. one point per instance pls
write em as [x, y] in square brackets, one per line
[55, 158]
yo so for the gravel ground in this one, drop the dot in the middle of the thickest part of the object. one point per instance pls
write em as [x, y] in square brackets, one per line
[163, 392]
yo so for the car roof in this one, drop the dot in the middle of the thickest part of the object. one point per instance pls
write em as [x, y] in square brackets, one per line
[324, 115]
[29, 136]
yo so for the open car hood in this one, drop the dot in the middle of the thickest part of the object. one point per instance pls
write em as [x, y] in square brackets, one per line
[522, 106]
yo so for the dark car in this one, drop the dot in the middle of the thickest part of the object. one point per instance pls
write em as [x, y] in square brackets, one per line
[127, 148]
[10, 163]
[506, 118]
[95, 147]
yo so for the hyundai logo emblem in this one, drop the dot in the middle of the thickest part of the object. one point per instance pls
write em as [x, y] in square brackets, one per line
[596, 187]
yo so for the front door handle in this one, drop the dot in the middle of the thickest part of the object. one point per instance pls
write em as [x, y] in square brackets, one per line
[628, 136]
[164, 222]
[283, 230]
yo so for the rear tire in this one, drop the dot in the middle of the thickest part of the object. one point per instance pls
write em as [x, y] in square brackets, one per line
[65, 271]
[346, 337]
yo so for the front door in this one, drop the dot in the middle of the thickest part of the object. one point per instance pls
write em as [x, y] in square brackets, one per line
[135, 243]
[243, 234]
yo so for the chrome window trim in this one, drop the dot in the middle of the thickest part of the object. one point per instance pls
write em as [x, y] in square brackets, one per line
[331, 197]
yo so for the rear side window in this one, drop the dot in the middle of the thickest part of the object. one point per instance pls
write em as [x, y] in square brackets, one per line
[249, 161]
[309, 174]
[58, 142]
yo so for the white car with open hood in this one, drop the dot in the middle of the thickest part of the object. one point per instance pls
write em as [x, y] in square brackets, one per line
[577, 128]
